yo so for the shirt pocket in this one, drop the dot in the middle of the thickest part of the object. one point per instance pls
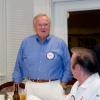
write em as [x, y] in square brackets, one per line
[28, 61]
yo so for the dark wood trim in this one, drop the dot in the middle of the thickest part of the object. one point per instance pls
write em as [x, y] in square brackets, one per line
[11, 83]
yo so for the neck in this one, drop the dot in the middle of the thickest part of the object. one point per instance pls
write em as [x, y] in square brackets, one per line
[83, 76]
[42, 39]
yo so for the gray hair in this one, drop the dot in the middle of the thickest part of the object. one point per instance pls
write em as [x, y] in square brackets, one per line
[39, 15]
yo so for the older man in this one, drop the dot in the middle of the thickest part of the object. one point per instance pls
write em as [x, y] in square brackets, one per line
[44, 59]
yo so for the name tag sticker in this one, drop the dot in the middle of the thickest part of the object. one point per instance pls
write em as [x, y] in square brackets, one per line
[50, 55]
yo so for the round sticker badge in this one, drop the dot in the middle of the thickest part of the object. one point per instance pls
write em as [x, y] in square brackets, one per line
[50, 55]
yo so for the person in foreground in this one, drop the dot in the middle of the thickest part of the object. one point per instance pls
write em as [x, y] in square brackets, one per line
[85, 69]
[45, 60]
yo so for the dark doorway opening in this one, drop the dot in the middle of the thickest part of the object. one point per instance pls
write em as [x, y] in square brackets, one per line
[84, 28]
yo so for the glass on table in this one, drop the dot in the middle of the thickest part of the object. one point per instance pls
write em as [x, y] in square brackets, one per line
[10, 96]
[22, 95]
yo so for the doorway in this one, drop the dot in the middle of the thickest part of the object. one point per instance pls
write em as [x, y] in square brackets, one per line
[84, 28]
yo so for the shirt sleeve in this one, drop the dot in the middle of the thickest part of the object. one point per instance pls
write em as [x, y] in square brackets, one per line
[67, 75]
[18, 71]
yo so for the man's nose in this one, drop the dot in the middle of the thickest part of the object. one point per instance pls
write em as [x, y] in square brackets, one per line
[42, 26]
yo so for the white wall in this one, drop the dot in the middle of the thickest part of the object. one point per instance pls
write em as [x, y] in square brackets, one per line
[42, 6]
[2, 41]
[61, 10]
[16, 23]
[19, 16]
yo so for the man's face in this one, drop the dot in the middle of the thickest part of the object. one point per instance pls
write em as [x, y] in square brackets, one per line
[42, 27]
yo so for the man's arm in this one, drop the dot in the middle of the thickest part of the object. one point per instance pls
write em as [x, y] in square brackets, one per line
[67, 75]
[18, 71]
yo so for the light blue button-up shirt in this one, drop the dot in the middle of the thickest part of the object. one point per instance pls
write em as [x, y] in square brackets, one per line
[46, 60]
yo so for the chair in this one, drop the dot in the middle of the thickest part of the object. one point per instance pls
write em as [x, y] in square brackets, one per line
[8, 86]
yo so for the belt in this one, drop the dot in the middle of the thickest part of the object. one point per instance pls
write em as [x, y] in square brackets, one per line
[42, 81]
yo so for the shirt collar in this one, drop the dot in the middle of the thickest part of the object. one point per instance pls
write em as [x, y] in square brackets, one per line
[90, 80]
[46, 40]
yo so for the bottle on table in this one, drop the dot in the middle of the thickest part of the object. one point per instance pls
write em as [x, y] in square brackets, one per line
[16, 93]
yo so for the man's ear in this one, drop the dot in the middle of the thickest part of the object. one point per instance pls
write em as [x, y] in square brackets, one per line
[78, 67]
